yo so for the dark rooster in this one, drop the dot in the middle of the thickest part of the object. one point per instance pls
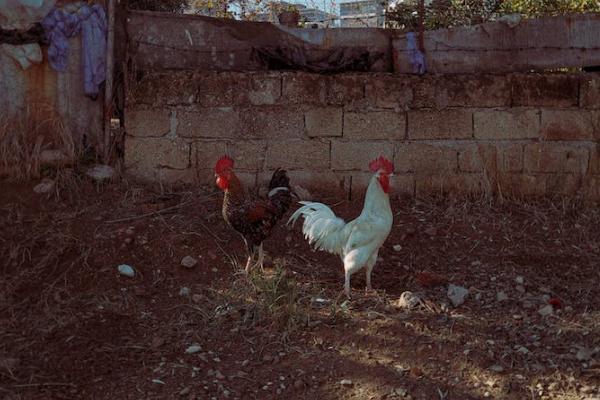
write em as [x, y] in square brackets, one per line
[250, 216]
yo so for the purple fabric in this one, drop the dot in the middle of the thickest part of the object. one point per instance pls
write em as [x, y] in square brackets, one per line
[417, 58]
[61, 24]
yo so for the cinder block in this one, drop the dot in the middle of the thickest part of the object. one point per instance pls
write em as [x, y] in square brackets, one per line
[564, 184]
[150, 153]
[389, 91]
[152, 122]
[573, 124]
[357, 155]
[449, 183]
[545, 90]
[223, 122]
[591, 188]
[205, 153]
[160, 89]
[298, 154]
[422, 158]
[265, 88]
[556, 157]
[274, 122]
[424, 91]
[345, 89]
[510, 157]
[506, 124]
[303, 88]
[222, 89]
[478, 158]
[325, 121]
[473, 90]
[374, 125]
[445, 124]
[248, 154]
[523, 185]
[589, 91]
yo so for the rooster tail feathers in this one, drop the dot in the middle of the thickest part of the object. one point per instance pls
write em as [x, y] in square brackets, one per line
[323, 229]
[279, 179]
[279, 192]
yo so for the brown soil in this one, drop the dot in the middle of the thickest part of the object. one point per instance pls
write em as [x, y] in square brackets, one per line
[71, 327]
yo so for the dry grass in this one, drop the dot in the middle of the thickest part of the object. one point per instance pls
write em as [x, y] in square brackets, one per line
[23, 139]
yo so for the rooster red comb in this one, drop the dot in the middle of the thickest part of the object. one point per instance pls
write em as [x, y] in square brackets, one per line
[223, 164]
[383, 164]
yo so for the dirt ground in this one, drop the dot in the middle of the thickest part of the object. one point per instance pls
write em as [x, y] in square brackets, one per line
[72, 327]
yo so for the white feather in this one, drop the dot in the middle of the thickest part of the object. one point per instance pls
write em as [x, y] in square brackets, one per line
[322, 227]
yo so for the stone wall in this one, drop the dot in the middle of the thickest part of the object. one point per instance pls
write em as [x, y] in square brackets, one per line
[519, 134]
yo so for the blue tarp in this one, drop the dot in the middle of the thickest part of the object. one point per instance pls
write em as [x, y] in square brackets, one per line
[417, 58]
[62, 23]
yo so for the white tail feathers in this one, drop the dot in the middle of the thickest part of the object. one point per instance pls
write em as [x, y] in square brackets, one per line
[321, 227]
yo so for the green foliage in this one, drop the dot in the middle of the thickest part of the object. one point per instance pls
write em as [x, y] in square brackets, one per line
[449, 13]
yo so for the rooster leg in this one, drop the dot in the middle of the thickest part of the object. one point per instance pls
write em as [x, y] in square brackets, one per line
[369, 269]
[261, 257]
[347, 284]
[250, 252]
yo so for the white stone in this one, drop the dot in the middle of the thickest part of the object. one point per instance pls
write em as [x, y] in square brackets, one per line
[189, 262]
[45, 186]
[193, 349]
[101, 172]
[126, 270]
[457, 294]
[546, 310]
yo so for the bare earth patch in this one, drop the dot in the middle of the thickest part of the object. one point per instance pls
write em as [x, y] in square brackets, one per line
[73, 327]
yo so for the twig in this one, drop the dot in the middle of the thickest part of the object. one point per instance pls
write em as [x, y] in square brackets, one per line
[162, 211]
[24, 385]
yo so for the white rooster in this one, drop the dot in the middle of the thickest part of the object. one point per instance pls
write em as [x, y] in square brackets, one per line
[356, 242]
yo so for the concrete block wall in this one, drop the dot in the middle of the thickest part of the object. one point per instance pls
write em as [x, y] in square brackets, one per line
[520, 134]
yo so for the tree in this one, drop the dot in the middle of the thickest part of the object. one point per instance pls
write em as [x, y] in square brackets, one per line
[403, 14]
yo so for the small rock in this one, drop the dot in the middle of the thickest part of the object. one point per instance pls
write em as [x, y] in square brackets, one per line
[126, 270]
[184, 291]
[546, 310]
[189, 262]
[520, 288]
[584, 354]
[587, 389]
[298, 384]
[197, 298]
[520, 280]
[523, 350]
[401, 392]
[457, 294]
[501, 296]
[497, 368]
[346, 382]
[193, 349]
[408, 300]
[431, 231]
[157, 342]
[45, 186]
[397, 247]
[101, 172]
[53, 157]
[219, 375]
[184, 391]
